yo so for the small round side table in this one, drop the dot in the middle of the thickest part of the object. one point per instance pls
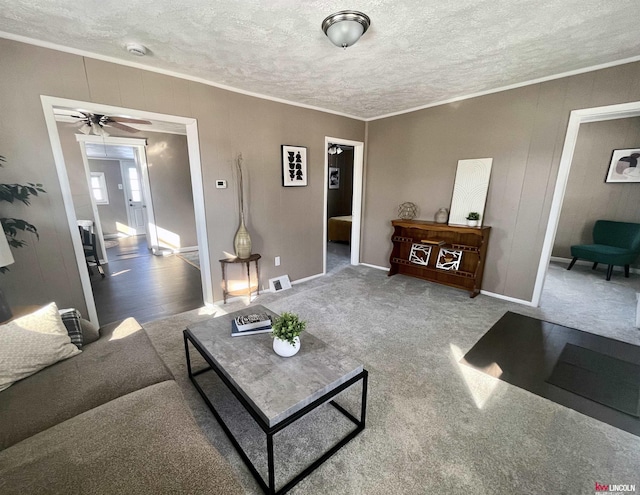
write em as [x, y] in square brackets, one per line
[224, 262]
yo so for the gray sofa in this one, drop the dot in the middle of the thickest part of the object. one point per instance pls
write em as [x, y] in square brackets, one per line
[109, 420]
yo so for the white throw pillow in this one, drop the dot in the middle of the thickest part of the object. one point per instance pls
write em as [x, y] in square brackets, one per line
[31, 343]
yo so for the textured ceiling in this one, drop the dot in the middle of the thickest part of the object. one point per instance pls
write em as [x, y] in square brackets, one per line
[415, 53]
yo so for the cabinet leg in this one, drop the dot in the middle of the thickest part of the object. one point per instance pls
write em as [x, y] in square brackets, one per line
[249, 279]
[224, 284]
[258, 275]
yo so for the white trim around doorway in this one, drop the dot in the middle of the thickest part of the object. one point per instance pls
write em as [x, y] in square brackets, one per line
[356, 205]
[138, 145]
[48, 104]
[577, 117]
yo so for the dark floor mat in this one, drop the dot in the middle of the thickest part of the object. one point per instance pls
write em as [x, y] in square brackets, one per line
[526, 351]
[601, 378]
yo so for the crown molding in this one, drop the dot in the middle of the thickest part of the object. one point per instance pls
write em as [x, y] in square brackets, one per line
[179, 75]
[511, 86]
[137, 65]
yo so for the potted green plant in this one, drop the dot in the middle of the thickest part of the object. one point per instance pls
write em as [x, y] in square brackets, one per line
[473, 218]
[17, 193]
[286, 334]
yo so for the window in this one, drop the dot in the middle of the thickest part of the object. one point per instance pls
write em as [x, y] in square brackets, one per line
[134, 185]
[99, 188]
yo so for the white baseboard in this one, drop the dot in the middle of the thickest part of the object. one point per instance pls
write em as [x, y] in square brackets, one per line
[116, 236]
[187, 249]
[268, 290]
[507, 298]
[384, 268]
[306, 279]
[590, 263]
[231, 299]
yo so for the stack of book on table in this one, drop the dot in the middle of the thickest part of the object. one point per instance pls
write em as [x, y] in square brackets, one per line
[250, 324]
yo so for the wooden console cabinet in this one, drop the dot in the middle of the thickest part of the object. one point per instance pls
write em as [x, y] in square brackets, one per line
[468, 242]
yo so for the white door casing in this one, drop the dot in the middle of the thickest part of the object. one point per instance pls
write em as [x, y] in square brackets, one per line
[191, 126]
[577, 117]
[356, 202]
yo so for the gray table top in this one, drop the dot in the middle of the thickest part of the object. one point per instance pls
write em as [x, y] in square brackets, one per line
[275, 386]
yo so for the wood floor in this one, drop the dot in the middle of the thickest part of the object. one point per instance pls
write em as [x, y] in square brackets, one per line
[523, 351]
[144, 286]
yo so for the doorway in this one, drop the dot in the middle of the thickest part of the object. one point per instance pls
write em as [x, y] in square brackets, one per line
[120, 193]
[339, 206]
[576, 119]
[135, 206]
[136, 282]
[344, 164]
[50, 105]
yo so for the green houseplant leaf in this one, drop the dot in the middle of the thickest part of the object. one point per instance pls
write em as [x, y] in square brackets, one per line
[473, 215]
[287, 327]
[17, 193]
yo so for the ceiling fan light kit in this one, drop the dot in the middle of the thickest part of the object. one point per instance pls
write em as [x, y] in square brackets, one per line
[345, 28]
[96, 123]
[334, 149]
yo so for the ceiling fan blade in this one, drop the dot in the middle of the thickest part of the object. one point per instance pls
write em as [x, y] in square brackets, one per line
[122, 127]
[128, 120]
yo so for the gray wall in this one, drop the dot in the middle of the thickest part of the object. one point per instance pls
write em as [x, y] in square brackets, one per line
[170, 181]
[588, 198]
[410, 157]
[413, 157]
[340, 201]
[116, 211]
[285, 222]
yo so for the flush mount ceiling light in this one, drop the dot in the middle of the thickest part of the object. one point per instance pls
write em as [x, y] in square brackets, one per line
[344, 28]
[136, 49]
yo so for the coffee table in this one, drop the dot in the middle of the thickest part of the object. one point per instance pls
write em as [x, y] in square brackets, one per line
[275, 391]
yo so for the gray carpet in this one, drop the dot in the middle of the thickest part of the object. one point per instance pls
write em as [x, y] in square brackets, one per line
[433, 425]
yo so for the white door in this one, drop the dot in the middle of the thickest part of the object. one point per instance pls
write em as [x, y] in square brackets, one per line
[136, 213]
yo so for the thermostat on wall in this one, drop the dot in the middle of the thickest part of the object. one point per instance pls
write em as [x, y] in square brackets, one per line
[221, 184]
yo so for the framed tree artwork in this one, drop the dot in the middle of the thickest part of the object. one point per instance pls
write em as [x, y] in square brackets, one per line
[294, 165]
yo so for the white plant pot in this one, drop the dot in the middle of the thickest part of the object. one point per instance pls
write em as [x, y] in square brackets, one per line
[472, 223]
[284, 348]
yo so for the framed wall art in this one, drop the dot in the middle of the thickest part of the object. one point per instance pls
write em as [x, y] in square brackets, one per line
[624, 166]
[334, 178]
[294, 165]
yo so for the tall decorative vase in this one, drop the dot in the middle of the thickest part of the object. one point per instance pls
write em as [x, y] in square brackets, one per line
[242, 241]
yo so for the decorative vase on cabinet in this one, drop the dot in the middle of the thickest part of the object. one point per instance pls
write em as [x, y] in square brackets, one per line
[442, 215]
[242, 241]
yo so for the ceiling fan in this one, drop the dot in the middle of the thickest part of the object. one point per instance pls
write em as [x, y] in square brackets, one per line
[96, 123]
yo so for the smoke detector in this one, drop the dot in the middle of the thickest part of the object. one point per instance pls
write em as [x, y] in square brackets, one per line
[136, 49]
